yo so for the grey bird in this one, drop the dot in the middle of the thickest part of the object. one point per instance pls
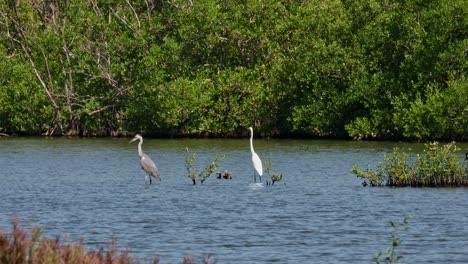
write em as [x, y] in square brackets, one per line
[146, 163]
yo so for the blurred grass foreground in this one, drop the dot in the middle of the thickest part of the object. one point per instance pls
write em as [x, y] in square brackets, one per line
[21, 247]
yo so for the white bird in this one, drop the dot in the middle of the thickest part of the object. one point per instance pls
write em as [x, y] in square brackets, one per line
[258, 168]
[146, 163]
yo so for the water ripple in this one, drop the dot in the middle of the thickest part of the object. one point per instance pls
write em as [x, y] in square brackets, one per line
[94, 190]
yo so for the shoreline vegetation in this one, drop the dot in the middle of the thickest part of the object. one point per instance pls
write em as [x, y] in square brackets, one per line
[378, 70]
[437, 166]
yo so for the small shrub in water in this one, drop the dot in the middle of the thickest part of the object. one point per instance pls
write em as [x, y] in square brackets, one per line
[374, 178]
[275, 177]
[192, 172]
[437, 166]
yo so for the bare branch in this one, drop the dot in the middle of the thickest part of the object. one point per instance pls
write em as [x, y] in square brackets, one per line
[122, 19]
[148, 9]
[134, 13]
[96, 9]
[24, 37]
[100, 110]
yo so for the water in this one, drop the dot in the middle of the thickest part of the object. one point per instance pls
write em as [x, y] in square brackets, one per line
[93, 190]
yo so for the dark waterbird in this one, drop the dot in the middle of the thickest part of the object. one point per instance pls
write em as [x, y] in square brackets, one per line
[466, 156]
[146, 163]
[225, 175]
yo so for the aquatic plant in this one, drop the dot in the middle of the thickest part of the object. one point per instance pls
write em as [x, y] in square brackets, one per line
[192, 172]
[437, 166]
[374, 178]
[275, 177]
[390, 252]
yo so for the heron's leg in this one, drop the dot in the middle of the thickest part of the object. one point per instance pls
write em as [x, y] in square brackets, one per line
[146, 179]
[150, 178]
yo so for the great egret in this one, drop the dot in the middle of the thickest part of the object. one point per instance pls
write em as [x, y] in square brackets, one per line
[146, 163]
[258, 168]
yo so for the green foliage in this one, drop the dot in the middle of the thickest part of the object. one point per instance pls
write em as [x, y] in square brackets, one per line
[359, 69]
[404, 46]
[361, 128]
[374, 178]
[437, 166]
[275, 177]
[23, 110]
[192, 172]
[390, 253]
[442, 114]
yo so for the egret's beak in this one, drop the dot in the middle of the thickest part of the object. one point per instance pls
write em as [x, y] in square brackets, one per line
[133, 140]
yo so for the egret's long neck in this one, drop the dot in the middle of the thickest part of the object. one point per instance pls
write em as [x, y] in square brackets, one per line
[251, 142]
[140, 153]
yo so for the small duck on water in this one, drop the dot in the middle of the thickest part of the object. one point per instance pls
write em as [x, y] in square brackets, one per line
[225, 175]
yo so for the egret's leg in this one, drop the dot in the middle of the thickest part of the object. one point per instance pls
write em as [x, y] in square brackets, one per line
[259, 176]
[255, 177]
[146, 179]
[150, 178]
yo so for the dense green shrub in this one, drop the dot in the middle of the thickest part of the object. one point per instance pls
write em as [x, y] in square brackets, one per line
[359, 69]
[442, 114]
[437, 166]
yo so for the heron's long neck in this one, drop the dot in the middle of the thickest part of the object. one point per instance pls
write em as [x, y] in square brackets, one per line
[251, 142]
[140, 152]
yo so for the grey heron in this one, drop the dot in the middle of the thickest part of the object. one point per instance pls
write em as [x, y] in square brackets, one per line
[258, 168]
[146, 163]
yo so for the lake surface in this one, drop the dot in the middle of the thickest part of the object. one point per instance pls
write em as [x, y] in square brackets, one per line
[94, 190]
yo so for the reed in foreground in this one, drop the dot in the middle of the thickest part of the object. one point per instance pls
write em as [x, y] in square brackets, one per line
[437, 166]
[390, 255]
[21, 247]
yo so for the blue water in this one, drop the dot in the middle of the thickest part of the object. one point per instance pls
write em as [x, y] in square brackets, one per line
[94, 190]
